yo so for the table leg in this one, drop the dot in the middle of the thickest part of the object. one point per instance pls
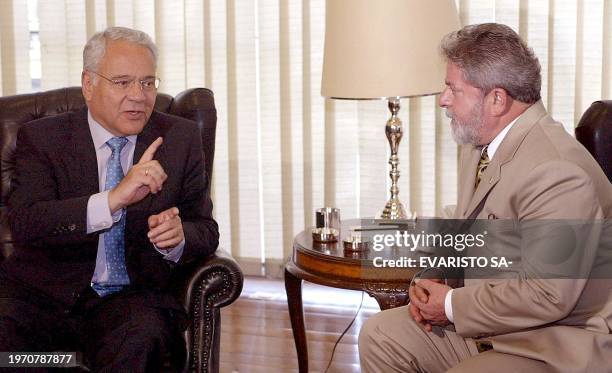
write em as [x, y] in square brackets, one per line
[293, 287]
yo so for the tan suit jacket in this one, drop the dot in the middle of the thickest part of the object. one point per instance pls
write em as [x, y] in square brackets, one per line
[539, 172]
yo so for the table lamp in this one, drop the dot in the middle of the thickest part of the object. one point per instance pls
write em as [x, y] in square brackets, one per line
[386, 49]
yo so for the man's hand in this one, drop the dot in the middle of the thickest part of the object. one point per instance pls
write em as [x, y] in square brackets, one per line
[166, 229]
[420, 293]
[432, 309]
[415, 292]
[147, 176]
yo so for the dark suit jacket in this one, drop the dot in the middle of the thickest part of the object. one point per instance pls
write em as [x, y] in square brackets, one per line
[56, 173]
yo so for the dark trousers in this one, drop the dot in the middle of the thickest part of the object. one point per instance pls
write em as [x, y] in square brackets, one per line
[120, 332]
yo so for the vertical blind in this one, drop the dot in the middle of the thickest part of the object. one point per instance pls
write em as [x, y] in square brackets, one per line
[282, 150]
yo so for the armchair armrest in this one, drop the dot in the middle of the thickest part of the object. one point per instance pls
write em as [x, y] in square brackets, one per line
[204, 287]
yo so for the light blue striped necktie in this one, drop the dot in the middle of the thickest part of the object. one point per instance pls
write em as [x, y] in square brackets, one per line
[114, 239]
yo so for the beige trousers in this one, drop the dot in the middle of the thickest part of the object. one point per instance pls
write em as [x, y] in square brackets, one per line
[391, 341]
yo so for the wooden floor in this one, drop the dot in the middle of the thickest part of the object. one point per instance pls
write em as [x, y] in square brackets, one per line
[256, 333]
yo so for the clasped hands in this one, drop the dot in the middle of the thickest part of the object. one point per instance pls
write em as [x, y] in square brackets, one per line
[148, 176]
[427, 302]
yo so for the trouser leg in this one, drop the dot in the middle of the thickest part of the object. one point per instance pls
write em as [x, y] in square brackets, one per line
[29, 323]
[492, 361]
[391, 341]
[126, 334]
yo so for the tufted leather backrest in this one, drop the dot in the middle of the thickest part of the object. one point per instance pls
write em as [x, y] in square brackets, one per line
[196, 104]
[594, 131]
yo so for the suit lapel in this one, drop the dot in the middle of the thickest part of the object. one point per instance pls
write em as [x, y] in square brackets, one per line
[489, 178]
[504, 154]
[149, 134]
[83, 153]
[469, 160]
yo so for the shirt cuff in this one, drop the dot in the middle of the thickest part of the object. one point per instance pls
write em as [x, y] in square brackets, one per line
[98, 213]
[448, 306]
[174, 254]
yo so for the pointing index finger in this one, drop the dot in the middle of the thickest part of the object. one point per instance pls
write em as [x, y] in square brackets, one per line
[150, 152]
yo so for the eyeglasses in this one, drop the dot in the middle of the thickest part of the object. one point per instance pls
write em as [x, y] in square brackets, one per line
[124, 84]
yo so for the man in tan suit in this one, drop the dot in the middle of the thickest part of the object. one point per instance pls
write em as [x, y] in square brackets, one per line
[517, 164]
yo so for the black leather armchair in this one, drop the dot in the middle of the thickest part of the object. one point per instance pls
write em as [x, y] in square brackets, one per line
[594, 131]
[204, 287]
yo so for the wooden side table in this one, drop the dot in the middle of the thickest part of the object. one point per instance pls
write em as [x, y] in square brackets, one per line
[330, 265]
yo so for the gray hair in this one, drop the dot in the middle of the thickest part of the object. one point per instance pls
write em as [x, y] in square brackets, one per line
[492, 55]
[96, 46]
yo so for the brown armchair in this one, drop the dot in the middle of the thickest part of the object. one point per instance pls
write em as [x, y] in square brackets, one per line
[594, 131]
[204, 287]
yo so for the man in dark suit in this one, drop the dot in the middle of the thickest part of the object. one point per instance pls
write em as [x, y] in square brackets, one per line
[107, 203]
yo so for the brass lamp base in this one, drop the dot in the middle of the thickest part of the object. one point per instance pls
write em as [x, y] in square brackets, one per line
[394, 209]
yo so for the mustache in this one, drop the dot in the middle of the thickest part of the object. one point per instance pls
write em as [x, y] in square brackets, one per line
[448, 114]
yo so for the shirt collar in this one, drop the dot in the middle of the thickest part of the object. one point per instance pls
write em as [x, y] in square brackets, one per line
[100, 135]
[494, 145]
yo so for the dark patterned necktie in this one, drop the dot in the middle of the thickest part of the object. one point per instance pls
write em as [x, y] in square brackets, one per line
[482, 165]
[114, 239]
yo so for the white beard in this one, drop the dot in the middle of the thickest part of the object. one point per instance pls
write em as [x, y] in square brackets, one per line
[468, 132]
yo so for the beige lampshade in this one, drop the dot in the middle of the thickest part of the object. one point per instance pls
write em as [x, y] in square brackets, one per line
[385, 48]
